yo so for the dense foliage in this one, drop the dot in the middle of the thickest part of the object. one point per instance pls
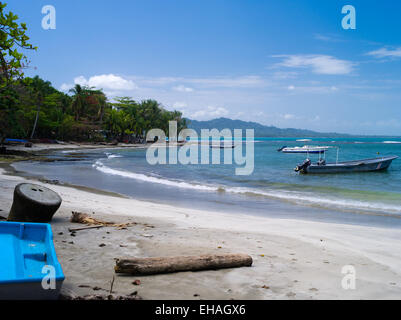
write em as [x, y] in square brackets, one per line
[33, 108]
[12, 35]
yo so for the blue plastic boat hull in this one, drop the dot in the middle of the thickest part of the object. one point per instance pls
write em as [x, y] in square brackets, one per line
[29, 266]
[29, 291]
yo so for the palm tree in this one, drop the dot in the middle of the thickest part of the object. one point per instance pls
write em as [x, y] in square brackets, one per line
[78, 101]
[40, 89]
[102, 103]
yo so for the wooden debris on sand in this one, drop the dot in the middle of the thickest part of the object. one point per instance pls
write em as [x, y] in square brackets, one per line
[85, 228]
[79, 217]
[147, 266]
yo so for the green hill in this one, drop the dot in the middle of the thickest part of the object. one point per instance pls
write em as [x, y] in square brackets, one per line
[260, 130]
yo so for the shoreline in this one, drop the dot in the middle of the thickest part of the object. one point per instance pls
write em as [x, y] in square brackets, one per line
[293, 259]
[282, 208]
[43, 147]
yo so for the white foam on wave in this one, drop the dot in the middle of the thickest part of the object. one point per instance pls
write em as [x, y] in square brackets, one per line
[142, 177]
[71, 151]
[319, 201]
[396, 142]
[287, 195]
[111, 155]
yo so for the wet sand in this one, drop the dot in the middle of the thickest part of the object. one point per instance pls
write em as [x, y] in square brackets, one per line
[293, 259]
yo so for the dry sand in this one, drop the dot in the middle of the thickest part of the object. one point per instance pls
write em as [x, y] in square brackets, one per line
[293, 259]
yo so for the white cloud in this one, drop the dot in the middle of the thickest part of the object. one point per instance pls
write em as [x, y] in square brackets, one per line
[312, 89]
[185, 84]
[209, 113]
[107, 82]
[66, 86]
[288, 116]
[386, 53]
[320, 64]
[182, 88]
[322, 37]
[285, 75]
[229, 82]
[111, 83]
[328, 38]
[179, 105]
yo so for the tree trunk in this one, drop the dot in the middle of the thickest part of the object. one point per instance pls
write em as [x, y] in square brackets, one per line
[36, 120]
[146, 266]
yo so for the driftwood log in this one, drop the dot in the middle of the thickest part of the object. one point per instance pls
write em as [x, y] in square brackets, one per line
[79, 217]
[84, 228]
[147, 266]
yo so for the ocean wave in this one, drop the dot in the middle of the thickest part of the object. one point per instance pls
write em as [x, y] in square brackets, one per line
[308, 199]
[98, 165]
[296, 197]
[112, 155]
[396, 142]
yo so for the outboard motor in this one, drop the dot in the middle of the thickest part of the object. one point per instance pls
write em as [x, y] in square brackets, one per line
[281, 148]
[302, 167]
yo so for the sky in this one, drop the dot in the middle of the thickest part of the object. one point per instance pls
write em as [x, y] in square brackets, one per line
[285, 63]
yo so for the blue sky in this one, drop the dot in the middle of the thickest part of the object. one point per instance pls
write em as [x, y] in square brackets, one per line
[284, 63]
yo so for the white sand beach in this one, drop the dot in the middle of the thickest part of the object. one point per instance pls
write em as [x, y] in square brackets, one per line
[292, 259]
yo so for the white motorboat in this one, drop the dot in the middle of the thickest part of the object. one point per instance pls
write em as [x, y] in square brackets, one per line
[304, 149]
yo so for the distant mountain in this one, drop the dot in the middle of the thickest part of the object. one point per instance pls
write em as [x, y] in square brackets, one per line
[260, 130]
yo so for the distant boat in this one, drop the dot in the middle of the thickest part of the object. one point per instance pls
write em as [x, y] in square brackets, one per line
[223, 145]
[364, 165]
[304, 149]
[303, 140]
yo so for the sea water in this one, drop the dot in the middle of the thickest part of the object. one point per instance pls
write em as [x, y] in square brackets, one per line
[273, 189]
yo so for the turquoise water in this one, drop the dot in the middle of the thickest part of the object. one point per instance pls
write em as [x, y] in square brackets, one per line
[272, 187]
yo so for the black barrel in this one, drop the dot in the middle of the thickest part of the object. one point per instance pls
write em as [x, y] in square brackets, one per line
[33, 203]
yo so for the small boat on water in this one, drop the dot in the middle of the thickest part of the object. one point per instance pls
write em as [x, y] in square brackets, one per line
[364, 165]
[304, 149]
[27, 259]
[223, 145]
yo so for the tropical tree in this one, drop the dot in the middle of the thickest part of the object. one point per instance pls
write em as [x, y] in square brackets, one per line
[40, 89]
[114, 122]
[12, 36]
[78, 100]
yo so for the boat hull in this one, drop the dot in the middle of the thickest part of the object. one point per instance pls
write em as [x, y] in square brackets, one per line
[303, 151]
[29, 291]
[29, 266]
[368, 165]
